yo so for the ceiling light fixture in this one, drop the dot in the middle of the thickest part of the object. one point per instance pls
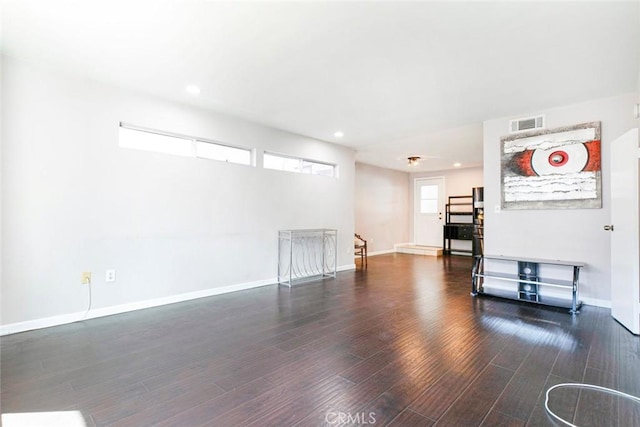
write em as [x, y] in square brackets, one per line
[457, 165]
[338, 134]
[193, 89]
[413, 160]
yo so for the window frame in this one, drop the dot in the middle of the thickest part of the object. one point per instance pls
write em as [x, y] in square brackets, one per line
[194, 140]
[303, 163]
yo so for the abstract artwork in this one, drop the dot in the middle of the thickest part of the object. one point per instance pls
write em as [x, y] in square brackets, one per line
[552, 169]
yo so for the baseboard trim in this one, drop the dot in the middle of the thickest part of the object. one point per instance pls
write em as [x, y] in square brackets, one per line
[413, 249]
[385, 252]
[388, 251]
[63, 319]
[347, 267]
[47, 322]
[596, 302]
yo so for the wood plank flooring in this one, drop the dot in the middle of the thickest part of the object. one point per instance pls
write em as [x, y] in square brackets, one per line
[400, 343]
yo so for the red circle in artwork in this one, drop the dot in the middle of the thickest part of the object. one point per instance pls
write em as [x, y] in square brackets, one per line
[558, 158]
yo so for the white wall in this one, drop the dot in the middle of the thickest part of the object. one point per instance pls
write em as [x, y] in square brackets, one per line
[381, 207]
[457, 182]
[74, 201]
[1, 184]
[571, 234]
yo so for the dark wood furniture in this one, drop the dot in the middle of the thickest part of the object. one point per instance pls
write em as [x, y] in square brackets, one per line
[360, 248]
[458, 223]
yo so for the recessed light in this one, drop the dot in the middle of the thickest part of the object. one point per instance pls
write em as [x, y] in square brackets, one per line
[338, 134]
[457, 165]
[193, 89]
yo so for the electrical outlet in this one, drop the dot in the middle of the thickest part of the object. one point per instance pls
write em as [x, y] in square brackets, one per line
[85, 279]
[110, 276]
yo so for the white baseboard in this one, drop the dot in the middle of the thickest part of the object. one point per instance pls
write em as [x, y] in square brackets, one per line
[388, 251]
[63, 319]
[596, 302]
[347, 267]
[402, 244]
[418, 249]
[46, 322]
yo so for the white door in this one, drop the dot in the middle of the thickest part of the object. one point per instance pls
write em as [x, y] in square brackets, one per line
[428, 211]
[625, 236]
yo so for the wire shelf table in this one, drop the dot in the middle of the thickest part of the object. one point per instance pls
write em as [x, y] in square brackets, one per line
[307, 255]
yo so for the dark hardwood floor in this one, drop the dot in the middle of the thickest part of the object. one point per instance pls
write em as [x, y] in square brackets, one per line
[401, 343]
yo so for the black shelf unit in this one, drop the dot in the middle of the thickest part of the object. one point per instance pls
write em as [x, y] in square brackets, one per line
[478, 221]
[458, 223]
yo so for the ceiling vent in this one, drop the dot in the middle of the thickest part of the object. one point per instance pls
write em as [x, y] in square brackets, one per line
[528, 123]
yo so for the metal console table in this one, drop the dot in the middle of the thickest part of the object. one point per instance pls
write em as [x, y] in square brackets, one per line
[307, 255]
[528, 280]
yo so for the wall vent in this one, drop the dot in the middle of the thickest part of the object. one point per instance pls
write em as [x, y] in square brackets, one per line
[527, 123]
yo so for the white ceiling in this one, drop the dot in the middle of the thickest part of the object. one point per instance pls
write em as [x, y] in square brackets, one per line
[398, 78]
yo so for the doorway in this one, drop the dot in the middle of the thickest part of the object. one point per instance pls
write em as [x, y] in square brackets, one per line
[428, 208]
[625, 285]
